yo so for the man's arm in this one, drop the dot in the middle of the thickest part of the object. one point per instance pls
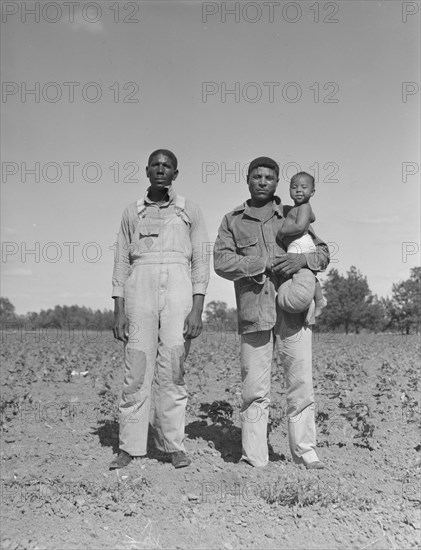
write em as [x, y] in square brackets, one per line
[200, 259]
[120, 275]
[121, 256]
[199, 273]
[230, 265]
[318, 260]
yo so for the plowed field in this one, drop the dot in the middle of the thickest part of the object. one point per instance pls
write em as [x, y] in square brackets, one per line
[60, 392]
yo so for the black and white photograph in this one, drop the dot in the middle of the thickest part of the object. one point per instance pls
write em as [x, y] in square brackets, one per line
[210, 275]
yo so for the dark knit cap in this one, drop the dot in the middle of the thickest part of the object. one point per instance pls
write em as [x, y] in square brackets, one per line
[166, 153]
[263, 161]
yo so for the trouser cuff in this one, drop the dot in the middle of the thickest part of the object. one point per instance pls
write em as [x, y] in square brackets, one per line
[254, 463]
[307, 458]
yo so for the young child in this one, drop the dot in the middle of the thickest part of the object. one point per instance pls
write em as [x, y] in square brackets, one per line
[296, 294]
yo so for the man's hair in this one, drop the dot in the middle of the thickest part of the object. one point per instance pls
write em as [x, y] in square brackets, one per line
[165, 152]
[300, 175]
[263, 161]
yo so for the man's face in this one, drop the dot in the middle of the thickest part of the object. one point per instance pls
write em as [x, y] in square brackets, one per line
[161, 171]
[301, 190]
[262, 184]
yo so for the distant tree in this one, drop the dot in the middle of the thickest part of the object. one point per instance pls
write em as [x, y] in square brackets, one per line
[376, 317]
[71, 317]
[7, 310]
[351, 304]
[405, 305]
[378, 314]
[218, 312]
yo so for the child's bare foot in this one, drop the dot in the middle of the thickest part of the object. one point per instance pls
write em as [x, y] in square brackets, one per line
[320, 305]
[309, 320]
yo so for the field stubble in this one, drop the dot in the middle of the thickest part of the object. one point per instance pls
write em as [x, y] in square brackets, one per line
[59, 433]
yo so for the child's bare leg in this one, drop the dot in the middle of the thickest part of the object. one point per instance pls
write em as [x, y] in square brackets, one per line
[310, 314]
[319, 298]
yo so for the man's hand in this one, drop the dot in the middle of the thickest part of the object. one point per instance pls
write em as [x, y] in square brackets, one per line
[121, 327]
[121, 323]
[269, 266]
[193, 324]
[289, 264]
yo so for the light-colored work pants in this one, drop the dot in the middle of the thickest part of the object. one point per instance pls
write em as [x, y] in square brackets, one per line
[158, 299]
[294, 343]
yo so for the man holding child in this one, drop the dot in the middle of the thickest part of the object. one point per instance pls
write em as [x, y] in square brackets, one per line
[248, 252]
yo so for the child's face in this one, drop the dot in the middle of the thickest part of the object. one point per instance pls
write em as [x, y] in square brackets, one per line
[301, 190]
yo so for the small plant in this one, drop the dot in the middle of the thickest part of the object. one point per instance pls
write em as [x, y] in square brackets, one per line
[220, 412]
[310, 492]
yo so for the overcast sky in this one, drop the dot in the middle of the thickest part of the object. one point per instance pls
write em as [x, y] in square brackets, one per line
[328, 87]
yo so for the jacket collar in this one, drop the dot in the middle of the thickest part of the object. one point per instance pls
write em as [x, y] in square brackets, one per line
[180, 202]
[276, 205]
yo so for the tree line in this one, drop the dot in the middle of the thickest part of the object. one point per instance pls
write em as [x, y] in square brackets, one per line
[63, 317]
[352, 307]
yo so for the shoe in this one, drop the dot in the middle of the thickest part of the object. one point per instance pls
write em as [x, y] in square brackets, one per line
[121, 461]
[316, 465]
[179, 459]
[243, 463]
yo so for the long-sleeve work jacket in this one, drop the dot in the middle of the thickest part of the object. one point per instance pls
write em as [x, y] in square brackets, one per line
[241, 252]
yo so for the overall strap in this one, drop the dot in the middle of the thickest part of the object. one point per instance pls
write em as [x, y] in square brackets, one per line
[180, 210]
[141, 208]
[180, 204]
[180, 207]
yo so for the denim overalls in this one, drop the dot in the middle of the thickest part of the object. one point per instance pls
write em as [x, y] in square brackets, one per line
[158, 298]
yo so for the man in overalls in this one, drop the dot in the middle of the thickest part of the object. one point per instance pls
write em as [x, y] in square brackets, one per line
[159, 283]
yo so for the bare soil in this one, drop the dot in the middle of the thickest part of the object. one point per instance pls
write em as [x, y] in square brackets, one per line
[59, 433]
